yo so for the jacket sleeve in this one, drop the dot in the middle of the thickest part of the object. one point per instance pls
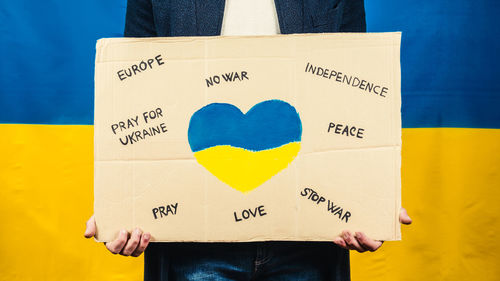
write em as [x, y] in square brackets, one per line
[139, 21]
[353, 18]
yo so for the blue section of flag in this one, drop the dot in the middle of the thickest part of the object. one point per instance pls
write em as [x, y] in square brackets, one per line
[449, 59]
[266, 125]
[48, 52]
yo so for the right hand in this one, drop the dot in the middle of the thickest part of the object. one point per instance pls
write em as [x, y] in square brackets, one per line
[126, 244]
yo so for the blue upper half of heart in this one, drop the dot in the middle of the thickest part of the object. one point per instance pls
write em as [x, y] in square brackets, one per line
[266, 125]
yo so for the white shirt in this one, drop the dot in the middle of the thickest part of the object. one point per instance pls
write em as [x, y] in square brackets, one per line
[250, 17]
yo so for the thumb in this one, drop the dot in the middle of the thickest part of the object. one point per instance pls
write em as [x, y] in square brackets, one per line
[90, 229]
[404, 218]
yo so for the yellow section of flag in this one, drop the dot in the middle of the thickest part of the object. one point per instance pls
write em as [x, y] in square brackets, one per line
[46, 187]
[451, 187]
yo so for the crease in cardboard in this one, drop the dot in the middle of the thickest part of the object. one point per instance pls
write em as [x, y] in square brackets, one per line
[296, 209]
[132, 192]
[301, 153]
[378, 39]
[347, 36]
[397, 103]
[197, 59]
[205, 188]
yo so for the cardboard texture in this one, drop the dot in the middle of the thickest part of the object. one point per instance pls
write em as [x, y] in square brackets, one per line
[289, 137]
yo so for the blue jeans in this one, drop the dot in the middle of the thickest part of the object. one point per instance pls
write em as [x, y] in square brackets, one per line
[274, 261]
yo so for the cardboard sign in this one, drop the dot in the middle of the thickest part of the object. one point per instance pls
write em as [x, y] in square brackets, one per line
[290, 137]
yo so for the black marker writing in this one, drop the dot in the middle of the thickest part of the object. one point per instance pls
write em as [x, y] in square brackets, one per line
[336, 210]
[163, 211]
[346, 130]
[250, 213]
[350, 80]
[227, 77]
[139, 67]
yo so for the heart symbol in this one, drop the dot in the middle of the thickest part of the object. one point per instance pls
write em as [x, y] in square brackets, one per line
[245, 150]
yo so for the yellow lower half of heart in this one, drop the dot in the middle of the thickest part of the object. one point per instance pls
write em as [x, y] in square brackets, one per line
[242, 169]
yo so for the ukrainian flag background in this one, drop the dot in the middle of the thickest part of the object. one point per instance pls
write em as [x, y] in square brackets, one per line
[451, 141]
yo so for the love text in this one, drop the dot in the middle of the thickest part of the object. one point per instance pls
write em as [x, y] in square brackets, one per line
[250, 213]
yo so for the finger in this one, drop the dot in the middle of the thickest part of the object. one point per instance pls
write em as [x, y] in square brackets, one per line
[90, 228]
[340, 242]
[351, 242]
[132, 243]
[367, 243]
[117, 245]
[404, 218]
[146, 237]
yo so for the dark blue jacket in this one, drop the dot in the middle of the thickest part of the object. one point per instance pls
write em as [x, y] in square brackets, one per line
[165, 18]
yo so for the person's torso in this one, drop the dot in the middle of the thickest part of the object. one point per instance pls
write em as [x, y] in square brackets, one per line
[205, 18]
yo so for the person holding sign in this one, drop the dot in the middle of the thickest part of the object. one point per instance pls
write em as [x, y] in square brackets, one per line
[271, 260]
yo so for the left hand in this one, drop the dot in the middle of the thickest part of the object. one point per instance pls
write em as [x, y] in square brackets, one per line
[360, 242]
